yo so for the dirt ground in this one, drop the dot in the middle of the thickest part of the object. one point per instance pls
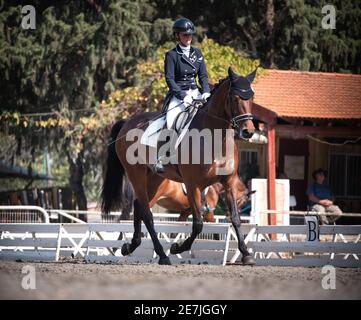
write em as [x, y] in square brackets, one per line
[78, 280]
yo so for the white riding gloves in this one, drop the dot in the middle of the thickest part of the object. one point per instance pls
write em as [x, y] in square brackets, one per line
[205, 95]
[188, 99]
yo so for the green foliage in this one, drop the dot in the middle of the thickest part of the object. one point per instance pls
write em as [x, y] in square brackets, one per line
[88, 134]
[78, 54]
[90, 63]
[218, 58]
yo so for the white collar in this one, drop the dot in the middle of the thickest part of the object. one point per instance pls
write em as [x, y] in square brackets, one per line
[187, 48]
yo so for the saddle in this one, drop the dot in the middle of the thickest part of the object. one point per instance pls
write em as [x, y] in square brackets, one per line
[151, 135]
[182, 122]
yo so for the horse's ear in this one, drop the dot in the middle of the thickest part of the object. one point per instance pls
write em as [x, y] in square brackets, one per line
[232, 75]
[252, 75]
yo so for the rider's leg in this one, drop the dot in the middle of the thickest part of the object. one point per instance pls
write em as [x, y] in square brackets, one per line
[175, 107]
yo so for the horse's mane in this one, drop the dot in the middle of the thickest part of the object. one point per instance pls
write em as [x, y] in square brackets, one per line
[216, 86]
[213, 90]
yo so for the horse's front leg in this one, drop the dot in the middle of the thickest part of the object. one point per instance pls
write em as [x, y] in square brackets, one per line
[247, 259]
[194, 198]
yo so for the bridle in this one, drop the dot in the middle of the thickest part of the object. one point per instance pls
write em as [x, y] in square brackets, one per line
[236, 120]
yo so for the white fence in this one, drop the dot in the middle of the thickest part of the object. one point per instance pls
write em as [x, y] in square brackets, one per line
[20, 214]
[113, 217]
[93, 242]
[338, 245]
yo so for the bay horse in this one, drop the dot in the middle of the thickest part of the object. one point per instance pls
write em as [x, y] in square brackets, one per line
[228, 108]
[175, 199]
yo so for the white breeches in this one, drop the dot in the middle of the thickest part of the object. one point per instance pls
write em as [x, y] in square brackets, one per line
[176, 106]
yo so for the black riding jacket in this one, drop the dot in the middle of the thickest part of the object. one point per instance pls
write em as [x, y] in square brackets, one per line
[180, 71]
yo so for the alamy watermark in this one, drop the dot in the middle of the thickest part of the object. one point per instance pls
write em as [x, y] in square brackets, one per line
[329, 19]
[329, 280]
[204, 146]
[28, 281]
[29, 17]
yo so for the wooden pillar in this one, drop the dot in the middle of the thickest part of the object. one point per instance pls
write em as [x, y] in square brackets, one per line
[271, 174]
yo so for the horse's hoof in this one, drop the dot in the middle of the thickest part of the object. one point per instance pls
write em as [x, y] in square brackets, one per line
[164, 261]
[125, 249]
[248, 260]
[174, 248]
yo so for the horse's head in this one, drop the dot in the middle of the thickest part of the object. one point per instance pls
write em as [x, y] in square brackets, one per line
[240, 106]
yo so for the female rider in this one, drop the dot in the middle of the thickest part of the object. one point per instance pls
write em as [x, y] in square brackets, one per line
[182, 65]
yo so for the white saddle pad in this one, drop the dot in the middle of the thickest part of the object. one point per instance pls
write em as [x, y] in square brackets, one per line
[151, 134]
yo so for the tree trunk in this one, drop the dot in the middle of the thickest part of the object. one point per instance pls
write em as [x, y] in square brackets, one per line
[269, 34]
[76, 182]
[252, 43]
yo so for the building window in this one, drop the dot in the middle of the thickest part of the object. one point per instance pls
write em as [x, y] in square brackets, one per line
[248, 164]
[345, 175]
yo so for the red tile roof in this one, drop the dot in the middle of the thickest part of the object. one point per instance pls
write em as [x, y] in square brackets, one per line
[301, 94]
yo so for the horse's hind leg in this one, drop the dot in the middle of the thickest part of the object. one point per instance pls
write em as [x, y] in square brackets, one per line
[128, 248]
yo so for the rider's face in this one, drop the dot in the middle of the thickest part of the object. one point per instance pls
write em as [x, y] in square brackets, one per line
[185, 39]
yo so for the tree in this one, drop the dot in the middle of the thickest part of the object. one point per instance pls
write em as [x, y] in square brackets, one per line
[78, 54]
[89, 132]
[83, 52]
[284, 34]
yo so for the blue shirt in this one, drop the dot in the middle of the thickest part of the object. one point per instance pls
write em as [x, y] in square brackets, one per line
[321, 191]
[181, 71]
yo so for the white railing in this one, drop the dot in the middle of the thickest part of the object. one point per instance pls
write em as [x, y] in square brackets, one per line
[94, 242]
[312, 213]
[327, 249]
[97, 216]
[23, 214]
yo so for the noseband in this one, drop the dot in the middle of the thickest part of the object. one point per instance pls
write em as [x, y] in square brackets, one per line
[237, 120]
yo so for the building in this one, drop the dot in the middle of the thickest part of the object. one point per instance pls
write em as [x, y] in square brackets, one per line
[313, 120]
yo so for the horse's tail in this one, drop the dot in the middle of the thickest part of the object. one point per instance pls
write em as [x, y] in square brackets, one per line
[127, 199]
[111, 194]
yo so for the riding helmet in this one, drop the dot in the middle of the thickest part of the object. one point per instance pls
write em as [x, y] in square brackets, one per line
[183, 25]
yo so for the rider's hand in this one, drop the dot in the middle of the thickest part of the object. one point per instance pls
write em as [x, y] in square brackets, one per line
[205, 95]
[188, 99]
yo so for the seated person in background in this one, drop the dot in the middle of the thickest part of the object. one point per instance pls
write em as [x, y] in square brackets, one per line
[321, 199]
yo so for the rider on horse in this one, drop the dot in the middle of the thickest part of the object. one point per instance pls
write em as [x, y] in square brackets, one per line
[182, 64]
